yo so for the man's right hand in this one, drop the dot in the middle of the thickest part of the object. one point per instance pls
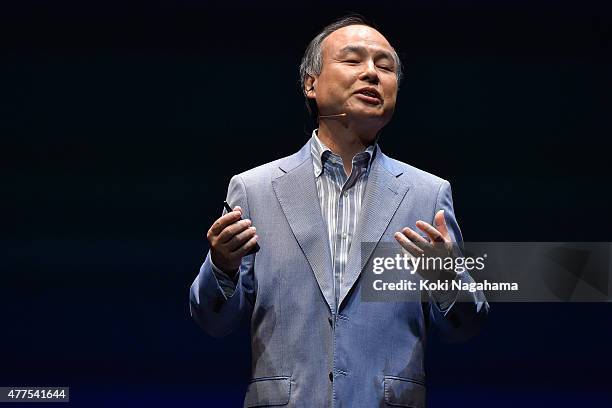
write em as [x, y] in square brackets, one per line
[230, 239]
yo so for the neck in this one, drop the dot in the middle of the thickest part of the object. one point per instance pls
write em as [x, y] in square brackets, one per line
[344, 140]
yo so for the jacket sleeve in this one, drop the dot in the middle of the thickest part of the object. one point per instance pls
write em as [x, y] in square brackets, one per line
[214, 311]
[463, 316]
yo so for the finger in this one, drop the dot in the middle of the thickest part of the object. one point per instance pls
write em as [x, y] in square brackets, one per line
[224, 221]
[414, 236]
[232, 230]
[440, 223]
[250, 244]
[407, 244]
[237, 240]
[433, 233]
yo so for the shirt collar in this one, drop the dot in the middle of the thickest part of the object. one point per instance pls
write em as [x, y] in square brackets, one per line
[321, 153]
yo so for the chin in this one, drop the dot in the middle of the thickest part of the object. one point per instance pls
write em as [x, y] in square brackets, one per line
[377, 115]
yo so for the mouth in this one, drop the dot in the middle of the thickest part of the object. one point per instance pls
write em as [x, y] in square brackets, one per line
[369, 95]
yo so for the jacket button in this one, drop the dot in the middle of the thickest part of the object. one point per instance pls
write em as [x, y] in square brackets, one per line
[331, 377]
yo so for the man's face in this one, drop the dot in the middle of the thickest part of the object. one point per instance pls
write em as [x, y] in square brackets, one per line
[358, 76]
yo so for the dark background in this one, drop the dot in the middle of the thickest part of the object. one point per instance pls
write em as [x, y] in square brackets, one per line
[122, 124]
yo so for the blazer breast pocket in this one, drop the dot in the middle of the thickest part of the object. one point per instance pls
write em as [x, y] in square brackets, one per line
[268, 392]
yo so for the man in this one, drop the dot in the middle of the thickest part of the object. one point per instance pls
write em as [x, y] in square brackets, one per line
[315, 343]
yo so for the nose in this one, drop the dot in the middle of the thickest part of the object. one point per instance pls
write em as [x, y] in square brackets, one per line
[369, 73]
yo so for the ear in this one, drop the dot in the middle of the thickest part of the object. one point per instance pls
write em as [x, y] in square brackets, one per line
[309, 87]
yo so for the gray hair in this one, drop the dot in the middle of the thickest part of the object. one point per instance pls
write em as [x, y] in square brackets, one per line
[312, 61]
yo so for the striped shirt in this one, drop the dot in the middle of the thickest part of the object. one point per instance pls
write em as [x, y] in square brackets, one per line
[340, 197]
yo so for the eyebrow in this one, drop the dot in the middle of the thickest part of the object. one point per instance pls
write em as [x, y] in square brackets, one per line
[362, 50]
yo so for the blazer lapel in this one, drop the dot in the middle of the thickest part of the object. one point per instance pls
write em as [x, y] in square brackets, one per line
[296, 191]
[383, 194]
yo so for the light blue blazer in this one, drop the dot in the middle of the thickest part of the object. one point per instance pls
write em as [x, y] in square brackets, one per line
[304, 354]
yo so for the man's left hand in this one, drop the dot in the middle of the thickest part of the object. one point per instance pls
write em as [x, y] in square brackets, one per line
[438, 245]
